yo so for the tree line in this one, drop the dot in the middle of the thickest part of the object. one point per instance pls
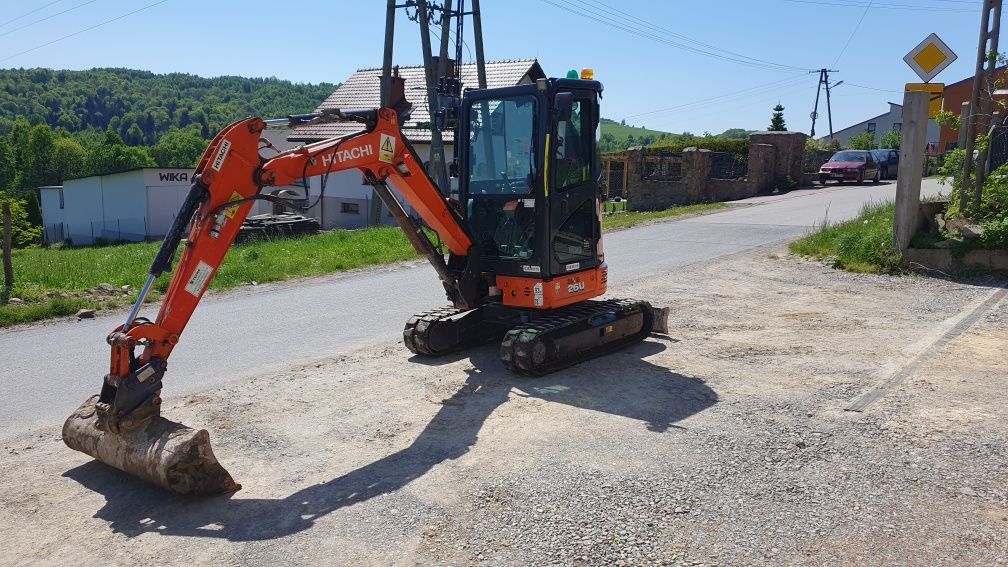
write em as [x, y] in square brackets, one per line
[142, 106]
[59, 125]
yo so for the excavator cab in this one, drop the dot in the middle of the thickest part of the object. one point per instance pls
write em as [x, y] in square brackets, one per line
[528, 177]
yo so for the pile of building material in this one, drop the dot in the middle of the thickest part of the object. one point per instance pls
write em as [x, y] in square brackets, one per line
[277, 225]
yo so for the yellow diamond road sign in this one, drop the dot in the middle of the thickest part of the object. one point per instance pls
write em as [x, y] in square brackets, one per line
[929, 57]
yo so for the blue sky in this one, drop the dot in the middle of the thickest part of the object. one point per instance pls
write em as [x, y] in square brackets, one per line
[674, 65]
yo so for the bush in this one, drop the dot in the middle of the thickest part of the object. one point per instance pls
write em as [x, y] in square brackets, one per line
[863, 141]
[713, 143]
[891, 139]
[23, 232]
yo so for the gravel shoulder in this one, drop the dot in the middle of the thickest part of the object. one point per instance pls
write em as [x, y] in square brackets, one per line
[724, 443]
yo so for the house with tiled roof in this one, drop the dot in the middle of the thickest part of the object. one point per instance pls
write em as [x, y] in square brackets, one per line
[346, 202]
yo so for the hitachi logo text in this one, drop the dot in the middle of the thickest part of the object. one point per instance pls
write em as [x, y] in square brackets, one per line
[341, 156]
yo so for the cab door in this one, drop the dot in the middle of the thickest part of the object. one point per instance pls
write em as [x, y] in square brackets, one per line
[573, 188]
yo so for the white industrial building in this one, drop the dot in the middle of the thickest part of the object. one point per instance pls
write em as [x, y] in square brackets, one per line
[129, 206]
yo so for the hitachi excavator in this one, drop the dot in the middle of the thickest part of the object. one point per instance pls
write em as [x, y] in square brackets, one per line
[524, 258]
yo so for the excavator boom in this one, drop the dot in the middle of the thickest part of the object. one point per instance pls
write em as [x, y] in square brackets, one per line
[122, 426]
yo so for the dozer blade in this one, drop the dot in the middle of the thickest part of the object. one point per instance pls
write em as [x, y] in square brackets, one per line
[161, 452]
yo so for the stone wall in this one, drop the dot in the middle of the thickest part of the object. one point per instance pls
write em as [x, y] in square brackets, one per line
[773, 157]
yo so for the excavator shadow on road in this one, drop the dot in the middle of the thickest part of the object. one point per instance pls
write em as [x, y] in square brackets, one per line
[639, 390]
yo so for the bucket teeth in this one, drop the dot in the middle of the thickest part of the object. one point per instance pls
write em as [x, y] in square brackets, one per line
[161, 452]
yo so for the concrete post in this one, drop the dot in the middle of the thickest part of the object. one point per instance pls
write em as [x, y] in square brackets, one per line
[911, 168]
[963, 118]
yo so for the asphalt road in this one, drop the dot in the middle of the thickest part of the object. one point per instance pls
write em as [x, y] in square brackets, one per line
[49, 369]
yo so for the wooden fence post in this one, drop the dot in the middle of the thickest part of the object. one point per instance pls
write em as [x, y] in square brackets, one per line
[7, 266]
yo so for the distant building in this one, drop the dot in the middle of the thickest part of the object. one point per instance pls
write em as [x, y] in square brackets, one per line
[129, 206]
[347, 199]
[879, 125]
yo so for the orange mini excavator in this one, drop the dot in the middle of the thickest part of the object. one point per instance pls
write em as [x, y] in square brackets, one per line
[524, 257]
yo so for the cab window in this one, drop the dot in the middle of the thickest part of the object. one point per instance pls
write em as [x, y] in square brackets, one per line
[502, 146]
[573, 147]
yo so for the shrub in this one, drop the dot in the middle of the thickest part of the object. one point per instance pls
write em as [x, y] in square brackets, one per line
[23, 233]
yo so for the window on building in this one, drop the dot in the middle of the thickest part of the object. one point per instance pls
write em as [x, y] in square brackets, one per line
[61, 198]
[350, 208]
[897, 126]
[871, 126]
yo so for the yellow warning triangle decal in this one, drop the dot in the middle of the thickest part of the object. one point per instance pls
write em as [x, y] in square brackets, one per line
[387, 145]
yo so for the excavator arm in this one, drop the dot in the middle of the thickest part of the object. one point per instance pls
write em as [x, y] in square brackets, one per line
[229, 178]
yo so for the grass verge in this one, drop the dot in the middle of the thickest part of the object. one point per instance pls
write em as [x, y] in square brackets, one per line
[628, 219]
[862, 244]
[57, 282]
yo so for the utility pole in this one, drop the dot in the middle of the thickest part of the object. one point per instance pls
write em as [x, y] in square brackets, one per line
[823, 80]
[437, 156]
[989, 30]
[386, 92]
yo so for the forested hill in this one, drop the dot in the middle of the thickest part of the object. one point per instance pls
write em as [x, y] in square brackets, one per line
[141, 106]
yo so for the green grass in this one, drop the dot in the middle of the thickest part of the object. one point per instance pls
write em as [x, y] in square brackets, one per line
[862, 244]
[55, 282]
[620, 131]
[633, 218]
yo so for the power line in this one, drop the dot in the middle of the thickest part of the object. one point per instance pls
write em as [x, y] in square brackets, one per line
[882, 6]
[642, 22]
[854, 31]
[871, 88]
[8, 32]
[636, 30]
[740, 93]
[9, 57]
[26, 14]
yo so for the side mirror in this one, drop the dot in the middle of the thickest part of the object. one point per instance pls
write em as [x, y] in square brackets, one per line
[563, 106]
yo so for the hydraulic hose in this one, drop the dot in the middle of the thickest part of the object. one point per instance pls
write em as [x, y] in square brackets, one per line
[162, 262]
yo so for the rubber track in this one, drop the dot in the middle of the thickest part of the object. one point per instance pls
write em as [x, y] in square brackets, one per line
[521, 342]
[415, 332]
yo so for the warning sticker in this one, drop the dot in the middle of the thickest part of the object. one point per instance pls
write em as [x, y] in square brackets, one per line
[537, 294]
[222, 153]
[199, 278]
[232, 211]
[386, 150]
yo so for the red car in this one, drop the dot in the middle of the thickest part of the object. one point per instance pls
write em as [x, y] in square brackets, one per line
[850, 165]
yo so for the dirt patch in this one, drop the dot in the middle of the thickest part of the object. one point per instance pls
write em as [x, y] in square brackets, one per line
[725, 443]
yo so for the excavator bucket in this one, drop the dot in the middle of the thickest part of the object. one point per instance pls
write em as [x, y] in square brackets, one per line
[160, 451]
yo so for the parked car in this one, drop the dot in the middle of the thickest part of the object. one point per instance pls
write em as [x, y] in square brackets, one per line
[850, 165]
[888, 160]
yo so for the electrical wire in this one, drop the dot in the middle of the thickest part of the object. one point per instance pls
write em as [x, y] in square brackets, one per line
[8, 32]
[607, 20]
[26, 14]
[871, 88]
[87, 29]
[882, 6]
[645, 23]
[854, 31]
[740, 93]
